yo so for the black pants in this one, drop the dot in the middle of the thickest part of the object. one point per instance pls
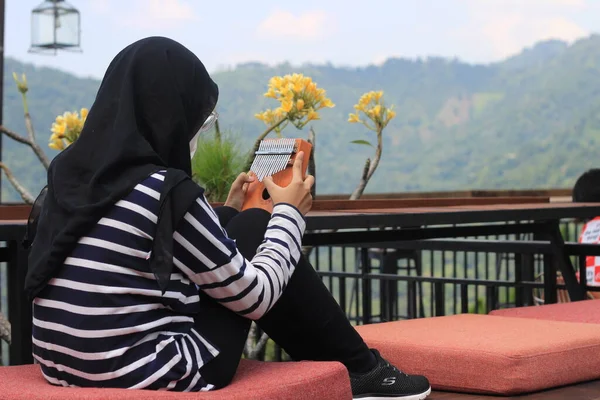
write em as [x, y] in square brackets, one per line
[306, 321]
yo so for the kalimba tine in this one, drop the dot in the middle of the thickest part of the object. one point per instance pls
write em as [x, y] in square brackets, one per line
[275, 158]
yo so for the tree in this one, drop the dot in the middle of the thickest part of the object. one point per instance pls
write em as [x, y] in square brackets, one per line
[300, 102]
[378, 117]
[66, 122]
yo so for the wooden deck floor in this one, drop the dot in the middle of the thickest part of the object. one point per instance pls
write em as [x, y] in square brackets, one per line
[582, 391]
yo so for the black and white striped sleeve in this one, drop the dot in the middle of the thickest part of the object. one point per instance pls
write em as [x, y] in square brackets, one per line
[212, 261]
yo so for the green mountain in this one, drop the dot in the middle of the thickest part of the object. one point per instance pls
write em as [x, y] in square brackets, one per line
[531, 121]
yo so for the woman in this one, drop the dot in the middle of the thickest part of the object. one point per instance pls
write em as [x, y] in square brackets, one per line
[137, 282]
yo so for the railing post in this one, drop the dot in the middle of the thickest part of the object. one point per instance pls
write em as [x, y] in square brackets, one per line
[388, 288]
[19, 307]
[366, 285]
[524, 271]
[464, 298]
[562, 261]
[411, 294]
[550, 295]
[583, 274]
[491, 298]
[440, 299]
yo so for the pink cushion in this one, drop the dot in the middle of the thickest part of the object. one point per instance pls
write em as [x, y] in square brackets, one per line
[254, 380]
[587, 311]
[489, 354]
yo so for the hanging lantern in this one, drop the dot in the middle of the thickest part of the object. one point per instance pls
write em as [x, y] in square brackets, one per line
[55, 25]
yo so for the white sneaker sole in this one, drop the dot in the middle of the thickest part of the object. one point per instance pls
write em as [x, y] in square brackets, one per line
[419, 396]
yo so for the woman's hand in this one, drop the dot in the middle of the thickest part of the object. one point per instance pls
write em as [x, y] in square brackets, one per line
[297, 193]
[238, 190]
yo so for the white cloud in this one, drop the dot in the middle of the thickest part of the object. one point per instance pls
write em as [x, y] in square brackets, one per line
[507, 26]
[310, 25]
[380, 59]
[509, 34]
[161, 14]
[531, 5]
[100, 6]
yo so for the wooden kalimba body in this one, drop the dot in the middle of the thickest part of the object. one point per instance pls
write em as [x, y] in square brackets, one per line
[275, 158]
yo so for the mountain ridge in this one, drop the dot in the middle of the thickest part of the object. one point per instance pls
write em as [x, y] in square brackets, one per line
[529, 121]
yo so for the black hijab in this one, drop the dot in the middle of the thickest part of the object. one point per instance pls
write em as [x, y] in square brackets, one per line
[154, 97]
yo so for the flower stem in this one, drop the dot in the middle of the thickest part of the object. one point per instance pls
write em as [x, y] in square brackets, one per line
[25, 105]
[370, 167]
[257, 143]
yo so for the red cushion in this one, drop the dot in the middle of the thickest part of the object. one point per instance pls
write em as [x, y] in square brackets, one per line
[491, 355]
[587, 311]
[254, 380]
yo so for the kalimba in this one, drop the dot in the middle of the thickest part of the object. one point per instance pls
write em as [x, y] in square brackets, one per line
[275, 158]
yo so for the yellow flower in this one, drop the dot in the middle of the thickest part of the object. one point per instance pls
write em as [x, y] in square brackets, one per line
[311, 89]
[371, 104]
[276, 82]
[287, 106]
[364, 100]
[299, 86]
[288, 95]
[21, 84]
[377, 110]
[298, 98]
[278, 114]
[267, 117]
[57, 144]
[327, 103]
[67, 128]
[71, 119]
[59, 129]
[312, 115]
[271, 93]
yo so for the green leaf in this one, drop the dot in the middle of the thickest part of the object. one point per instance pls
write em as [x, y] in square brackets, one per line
[362, 142]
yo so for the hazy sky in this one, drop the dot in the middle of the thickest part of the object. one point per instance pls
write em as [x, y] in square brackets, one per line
[343, 32]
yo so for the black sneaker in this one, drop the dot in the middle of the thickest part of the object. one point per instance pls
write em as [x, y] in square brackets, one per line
[386, 382]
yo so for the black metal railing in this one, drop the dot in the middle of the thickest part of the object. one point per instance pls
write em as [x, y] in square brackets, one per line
[427, 278]
[440, 277]
[410, 279]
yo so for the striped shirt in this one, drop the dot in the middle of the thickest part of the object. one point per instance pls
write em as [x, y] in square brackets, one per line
[103, 322]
